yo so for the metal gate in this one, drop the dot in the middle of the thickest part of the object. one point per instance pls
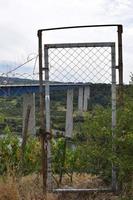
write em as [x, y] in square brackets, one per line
[81, 72]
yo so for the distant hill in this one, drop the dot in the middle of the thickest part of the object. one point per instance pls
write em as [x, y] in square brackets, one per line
[14, 80]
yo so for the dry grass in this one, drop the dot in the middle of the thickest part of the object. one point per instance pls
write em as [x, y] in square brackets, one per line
[82, 181]
[25, 188]
[30, 188]
[9, 190]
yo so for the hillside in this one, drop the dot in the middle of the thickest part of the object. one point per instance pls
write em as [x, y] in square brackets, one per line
[15, 81]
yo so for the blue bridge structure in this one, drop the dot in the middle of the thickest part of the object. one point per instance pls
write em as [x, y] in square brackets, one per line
[20, 89]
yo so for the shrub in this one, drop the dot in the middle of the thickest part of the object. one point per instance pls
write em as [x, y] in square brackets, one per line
[10, 154]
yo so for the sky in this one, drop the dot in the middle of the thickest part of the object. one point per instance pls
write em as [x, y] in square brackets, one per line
[20, 20]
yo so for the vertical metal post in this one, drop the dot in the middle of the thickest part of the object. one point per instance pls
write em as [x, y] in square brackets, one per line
[41, 80]
[114, 181]
[47, 115]
[120, 63]
[42, 126]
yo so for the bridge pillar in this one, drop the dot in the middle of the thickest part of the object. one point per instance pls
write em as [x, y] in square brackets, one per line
[69, 114]
[80, 100]
[86, 98]
[29, 99]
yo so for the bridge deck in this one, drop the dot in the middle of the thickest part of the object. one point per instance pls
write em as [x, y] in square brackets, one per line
[16, 90]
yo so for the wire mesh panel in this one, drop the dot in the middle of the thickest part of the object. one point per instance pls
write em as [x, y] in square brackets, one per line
[80, 62]
[81, 112]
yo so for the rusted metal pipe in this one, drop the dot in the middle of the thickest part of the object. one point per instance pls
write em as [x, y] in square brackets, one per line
[75, 27]
[42, 118]
[120, 64]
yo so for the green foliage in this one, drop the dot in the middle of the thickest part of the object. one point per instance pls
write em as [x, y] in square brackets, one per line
[91, 151]
[97, 147]
[9, 151]
[2, 118]
[32, 156]
[93, 146]
[10, 154]
[124, 141]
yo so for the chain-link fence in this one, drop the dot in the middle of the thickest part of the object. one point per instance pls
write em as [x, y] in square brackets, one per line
[81, 119]
[80, 63]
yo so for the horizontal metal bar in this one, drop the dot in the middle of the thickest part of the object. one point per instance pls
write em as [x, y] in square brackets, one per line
[75, 27]
[73, 190]
[77, 45]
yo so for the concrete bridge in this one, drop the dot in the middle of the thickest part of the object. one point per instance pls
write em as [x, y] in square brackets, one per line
[28, 92]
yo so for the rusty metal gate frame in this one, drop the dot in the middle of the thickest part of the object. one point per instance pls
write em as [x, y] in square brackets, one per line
[43, 132]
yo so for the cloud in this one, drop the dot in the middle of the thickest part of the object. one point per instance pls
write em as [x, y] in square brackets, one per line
[20, 20]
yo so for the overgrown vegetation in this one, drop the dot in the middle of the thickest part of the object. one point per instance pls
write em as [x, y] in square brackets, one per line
[89, 152]
[11, 155]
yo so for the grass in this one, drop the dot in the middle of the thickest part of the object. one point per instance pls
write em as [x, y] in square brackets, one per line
[25, 188]
[30, 188]
[9, 190]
